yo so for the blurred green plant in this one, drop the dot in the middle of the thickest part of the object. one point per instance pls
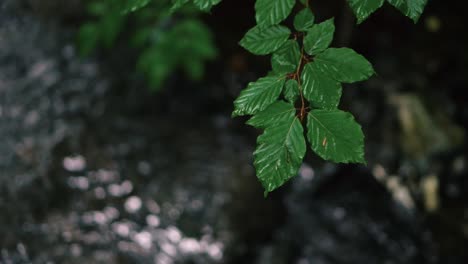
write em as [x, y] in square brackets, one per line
[165, 39]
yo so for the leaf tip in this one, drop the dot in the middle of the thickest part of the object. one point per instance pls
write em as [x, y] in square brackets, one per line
[251, 122]
[241, 43]
[415, 19]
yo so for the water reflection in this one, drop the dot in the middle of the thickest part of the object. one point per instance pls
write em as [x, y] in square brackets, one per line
[138, 229]
[74, 163]
[132, 204]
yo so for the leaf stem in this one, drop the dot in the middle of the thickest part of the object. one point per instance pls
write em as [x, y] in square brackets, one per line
[302, 111]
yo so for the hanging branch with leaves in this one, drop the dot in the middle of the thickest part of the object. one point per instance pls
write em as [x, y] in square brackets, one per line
[299, 98]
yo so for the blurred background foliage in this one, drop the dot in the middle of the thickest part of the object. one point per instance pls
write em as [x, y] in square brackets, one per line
[164, 39]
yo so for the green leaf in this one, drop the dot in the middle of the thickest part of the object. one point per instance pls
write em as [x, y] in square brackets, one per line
[203, 5]
[335, 135]
[410, 8]
[320, 90]
[364, 8]
[134, 5]
[176, 4]
[291, 91]
[287, 58]
[194, 38]
[258, 95]
[88, 37]
[319, 37]
[281, 147]
[279, 111]
[304, 20]
[157, 64]
[344, 65]
[206, 5]
[110, 27]
[187, 45]
[265, 41]
[272, 12]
